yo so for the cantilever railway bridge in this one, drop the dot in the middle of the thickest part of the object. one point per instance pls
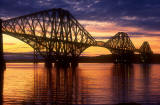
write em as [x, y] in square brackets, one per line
[57, 36]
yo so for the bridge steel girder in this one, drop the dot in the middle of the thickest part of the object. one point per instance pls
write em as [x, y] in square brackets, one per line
[145, 52]
[120, 42]
[121, 47]
[54, 33]
[145, 48]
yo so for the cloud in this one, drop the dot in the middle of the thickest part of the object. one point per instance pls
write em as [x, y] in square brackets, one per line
[105, 37]
[129, 18]
[142, 34]
[142, 14]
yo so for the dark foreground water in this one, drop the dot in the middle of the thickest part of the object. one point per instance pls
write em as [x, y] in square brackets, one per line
[89, 83]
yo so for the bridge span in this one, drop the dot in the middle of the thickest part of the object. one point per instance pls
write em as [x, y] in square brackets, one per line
[57, 36]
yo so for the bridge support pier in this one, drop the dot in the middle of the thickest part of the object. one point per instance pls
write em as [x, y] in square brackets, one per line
[74, 62]
[146, 58]
[2, 61]
[63, 61]
[35, 56]
[123, 57]
[48, 62]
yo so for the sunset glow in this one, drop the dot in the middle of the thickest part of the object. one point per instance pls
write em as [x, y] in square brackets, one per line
[101, 31]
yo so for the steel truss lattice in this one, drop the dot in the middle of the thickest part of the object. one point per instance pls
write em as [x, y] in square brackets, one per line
[54, 33]
[146, 52]
[145, 48]
[120, 43]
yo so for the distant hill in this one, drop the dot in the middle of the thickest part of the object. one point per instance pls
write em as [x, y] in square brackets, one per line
[28, 57]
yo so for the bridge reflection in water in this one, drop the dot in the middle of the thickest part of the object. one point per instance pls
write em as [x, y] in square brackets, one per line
[88, 84]
[58, 37]
[1, 85]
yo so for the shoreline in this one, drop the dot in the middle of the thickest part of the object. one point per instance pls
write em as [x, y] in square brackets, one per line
[82, 59]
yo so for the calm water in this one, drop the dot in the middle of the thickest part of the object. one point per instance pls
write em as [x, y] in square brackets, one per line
[89, 83]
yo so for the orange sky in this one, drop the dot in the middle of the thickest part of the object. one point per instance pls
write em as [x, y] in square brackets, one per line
[96, 29]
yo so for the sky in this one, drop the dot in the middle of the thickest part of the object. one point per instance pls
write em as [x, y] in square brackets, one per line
[101, 18]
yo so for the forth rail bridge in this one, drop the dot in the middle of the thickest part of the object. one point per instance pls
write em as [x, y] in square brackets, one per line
[58, 37]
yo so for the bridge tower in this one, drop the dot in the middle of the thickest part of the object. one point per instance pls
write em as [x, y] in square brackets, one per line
[145, 52]
[2, 61]
[121, 48]
[55, 34]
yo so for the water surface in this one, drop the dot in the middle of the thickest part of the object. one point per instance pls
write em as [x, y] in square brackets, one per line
[89, 83]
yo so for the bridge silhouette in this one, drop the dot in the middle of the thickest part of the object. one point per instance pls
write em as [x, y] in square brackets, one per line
[57, 36]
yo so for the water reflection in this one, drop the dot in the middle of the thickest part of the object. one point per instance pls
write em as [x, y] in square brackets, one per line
[122, 82]
[87, 84]
[55, 86]
[83, 86]
[1, 85]
[146, 72]
[72, 86]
